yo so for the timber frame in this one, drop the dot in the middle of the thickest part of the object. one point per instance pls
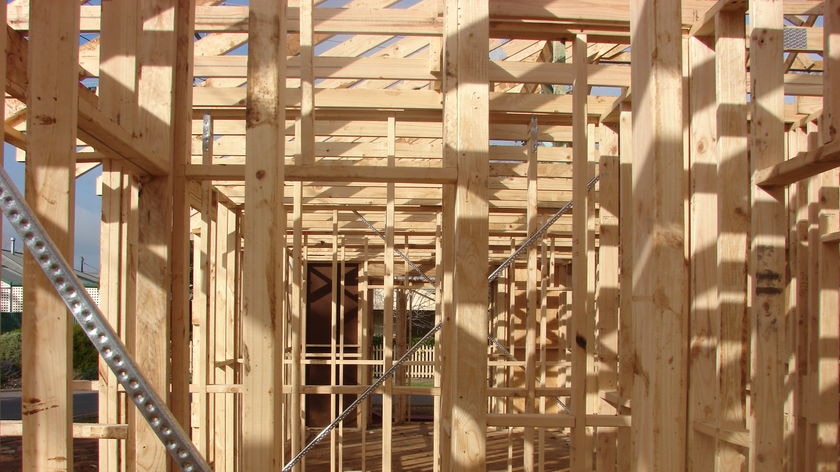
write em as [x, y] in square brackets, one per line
[684, 315]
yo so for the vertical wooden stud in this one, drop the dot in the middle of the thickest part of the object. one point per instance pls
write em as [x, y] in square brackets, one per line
[467, 58]
[733, 226]
[531, 295]
[46, 360]
[264, 229]
[581, 452]
[705, 309]
[660, 278]
[608, 293]
[626, 340]
[769, 226]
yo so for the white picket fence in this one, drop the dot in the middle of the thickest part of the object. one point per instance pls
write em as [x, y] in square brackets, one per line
[421, 366]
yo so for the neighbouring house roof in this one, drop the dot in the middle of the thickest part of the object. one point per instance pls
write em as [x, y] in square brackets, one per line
[13, 271]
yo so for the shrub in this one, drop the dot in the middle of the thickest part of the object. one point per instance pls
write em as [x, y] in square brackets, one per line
[10, 359]
[9, 374]
[85, 357]
[10, 346]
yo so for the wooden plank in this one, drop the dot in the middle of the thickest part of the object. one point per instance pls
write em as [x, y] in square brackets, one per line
[534, 420]
[831, 56]
[467, 60]
[705, 306]
[581, 457]
[733, 179]
[262, 346]
[803, 165]
[388, 314]
[307, 85]
[626, 346]
[116, 88]
[803, 306]
[365, 374]
[181, 116]
[437, 443]
[812, 319]
[768, 216]
[46, 360]
[232, 99]
[335, 445]
[331, 173]
[80, 430]
[546, 267]
[660, 278]
[608, 290]
[152, 347]
[829, 330]
[201, 272]
[151, 343]
[531, 298]
[298, 417]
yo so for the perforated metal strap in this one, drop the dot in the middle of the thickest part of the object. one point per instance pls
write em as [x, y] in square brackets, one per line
[358, 401]
[103, 337]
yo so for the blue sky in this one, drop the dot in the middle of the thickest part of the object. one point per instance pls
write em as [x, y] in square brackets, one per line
[88, 210]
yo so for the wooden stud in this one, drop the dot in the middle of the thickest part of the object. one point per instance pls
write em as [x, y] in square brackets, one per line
[334, 302]
[801, 343]
[437, 402]
[608, 291]
[388, 314]
[181, 129]
[307, 85]
[365, 308]
[733, 226]
[829, 330]
[705, 306]
[466, 58]
[831, 80]
[116, 100]
[46, 360]
[297, 426]
[766, 421]
[581, 452]
[660, 278]
[152, 349]
[626, 349]
[531, 297]
[262, 270]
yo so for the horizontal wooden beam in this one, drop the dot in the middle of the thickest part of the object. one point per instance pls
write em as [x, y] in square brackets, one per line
[80, 430]
[537, 420]
[801, 166]
[332, 173]
[400, 100]
[394, 21]
[415, 69]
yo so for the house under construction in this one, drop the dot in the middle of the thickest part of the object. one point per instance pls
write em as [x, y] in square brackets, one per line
[622, 217]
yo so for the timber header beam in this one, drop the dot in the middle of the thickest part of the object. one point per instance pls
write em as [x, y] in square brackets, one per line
[94, 127]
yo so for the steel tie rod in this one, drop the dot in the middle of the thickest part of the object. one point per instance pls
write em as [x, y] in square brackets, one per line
[537, 234]
[381, 380]
[388, 373]
[97, 328]
[396, 250]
